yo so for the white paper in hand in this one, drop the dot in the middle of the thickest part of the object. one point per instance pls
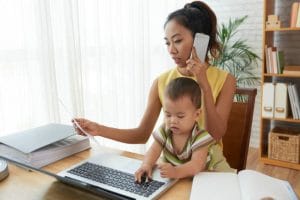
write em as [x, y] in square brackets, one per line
[201, 43]
[91, 137]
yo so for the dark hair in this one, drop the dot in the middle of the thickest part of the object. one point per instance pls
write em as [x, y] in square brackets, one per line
[198, 17]
[182, 86]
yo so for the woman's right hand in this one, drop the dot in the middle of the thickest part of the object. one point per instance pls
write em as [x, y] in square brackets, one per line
[198, 68]
[87, 125]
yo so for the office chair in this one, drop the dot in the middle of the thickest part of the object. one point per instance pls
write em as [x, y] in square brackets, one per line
[237, 137]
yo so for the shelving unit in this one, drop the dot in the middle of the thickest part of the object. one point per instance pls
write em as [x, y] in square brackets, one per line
[267, 124]
[283, 29]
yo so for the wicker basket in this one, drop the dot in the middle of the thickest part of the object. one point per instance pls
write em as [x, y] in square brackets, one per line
[284, 145]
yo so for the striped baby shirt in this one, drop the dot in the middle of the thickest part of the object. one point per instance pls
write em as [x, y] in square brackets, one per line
[199, 138]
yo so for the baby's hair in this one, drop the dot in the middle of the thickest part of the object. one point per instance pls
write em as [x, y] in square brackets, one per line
[182, 86]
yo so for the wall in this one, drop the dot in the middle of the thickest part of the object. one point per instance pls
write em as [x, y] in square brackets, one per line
[251, 30]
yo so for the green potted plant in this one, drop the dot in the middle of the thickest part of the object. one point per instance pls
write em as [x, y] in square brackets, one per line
[236, 56]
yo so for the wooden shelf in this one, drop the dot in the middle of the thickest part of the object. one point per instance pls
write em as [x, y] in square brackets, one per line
[283, 120]
[269, 161]
[271, 39]
[283, 29]
[281, 75]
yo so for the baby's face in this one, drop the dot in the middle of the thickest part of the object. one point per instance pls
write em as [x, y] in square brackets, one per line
[180, 115]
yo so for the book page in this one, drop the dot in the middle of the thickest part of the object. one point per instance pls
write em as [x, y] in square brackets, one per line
[255, 185]
[215, 186]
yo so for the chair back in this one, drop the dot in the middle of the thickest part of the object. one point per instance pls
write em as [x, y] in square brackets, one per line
[237, 137]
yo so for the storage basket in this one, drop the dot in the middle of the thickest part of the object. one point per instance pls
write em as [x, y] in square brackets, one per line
[284, 145]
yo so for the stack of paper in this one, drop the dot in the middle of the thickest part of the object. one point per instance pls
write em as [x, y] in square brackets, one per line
[43, 145]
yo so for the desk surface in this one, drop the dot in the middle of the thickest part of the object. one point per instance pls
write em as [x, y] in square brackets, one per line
[23, 184]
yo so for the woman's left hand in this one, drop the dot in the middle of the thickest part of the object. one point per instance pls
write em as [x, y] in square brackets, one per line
[198, 69]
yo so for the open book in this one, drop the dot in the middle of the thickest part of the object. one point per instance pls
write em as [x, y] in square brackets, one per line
[246, 185]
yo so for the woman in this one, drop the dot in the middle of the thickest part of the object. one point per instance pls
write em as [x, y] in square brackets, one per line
[217, 86]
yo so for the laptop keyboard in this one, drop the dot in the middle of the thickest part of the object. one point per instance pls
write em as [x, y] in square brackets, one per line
[116, 178]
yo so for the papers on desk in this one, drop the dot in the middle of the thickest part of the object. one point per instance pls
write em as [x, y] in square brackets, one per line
[246, 185]
[43, 145]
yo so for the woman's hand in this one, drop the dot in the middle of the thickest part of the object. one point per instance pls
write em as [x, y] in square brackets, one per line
[87, 125]
[198, 69]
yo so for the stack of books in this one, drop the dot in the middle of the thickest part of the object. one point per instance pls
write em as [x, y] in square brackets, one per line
[42, 145]
[274, 60]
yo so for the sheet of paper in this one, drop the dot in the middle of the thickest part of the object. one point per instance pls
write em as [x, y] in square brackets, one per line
[215, 186]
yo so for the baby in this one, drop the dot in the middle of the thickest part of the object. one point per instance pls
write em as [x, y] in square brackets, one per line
[184, 144]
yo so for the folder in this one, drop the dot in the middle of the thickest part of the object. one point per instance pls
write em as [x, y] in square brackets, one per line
[36, 138]
[42, 145]
[268, 100]
[281, 105]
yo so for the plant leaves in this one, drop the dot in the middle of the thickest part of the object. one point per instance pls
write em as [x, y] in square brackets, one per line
[235, 55]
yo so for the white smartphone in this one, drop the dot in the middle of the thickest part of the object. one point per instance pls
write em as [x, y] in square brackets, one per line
[201, 43]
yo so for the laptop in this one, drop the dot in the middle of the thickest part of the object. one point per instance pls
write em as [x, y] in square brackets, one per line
[109, 175]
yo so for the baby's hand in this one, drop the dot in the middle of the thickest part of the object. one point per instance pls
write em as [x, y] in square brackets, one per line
[144, 173]
[167, 170]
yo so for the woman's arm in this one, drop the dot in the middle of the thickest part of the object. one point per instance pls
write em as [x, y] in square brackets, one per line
[188, 169]
[216, 114]
[136, 135]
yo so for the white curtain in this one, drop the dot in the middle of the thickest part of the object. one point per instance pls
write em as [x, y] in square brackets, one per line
[98, 56]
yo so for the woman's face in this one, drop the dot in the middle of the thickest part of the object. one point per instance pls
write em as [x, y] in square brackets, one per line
[179, 41]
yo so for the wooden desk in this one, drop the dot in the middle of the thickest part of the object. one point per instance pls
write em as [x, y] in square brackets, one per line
[26, 185]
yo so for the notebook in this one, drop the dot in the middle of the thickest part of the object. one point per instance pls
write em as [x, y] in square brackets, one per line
[246, 185]
[106, 174]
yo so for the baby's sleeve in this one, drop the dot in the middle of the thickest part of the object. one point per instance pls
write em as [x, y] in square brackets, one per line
[160, 135]
[202, 139]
